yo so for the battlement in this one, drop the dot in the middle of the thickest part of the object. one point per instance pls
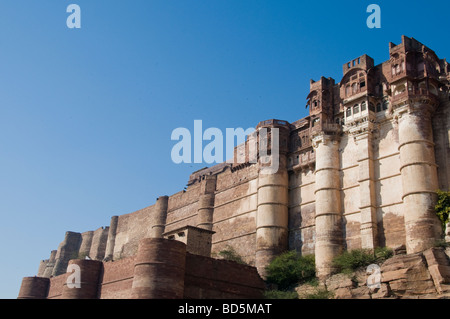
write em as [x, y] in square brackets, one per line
[364, 62]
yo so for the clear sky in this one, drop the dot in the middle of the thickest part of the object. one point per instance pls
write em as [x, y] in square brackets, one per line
[86, 115]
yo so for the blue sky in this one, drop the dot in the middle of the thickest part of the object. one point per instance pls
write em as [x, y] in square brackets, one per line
[86, 115]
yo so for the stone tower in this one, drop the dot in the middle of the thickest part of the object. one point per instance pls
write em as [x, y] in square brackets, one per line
[272, 206]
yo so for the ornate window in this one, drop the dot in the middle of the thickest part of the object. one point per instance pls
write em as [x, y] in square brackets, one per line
[363, 106]
[348, 112]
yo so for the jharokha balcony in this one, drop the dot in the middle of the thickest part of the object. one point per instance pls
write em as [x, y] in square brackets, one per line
[413, 93]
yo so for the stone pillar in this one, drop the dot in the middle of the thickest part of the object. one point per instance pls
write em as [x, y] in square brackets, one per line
[329, 237]
[88, 272]
[160, 216]
[272, 205]
[419, 176]
[369, 229]
[109, 251]
[34, 288]
[159, 269]
[206, 203]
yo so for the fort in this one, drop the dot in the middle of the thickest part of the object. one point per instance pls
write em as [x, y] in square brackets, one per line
[360, 171]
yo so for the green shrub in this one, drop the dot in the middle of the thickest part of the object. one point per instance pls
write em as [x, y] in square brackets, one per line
[320, 294]
[383, 253]
[279, 294]
[289, 269]
[442, 207]
[230, 254]
[351, 260]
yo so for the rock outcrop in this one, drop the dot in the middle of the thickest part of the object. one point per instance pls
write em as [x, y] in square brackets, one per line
[423, 275]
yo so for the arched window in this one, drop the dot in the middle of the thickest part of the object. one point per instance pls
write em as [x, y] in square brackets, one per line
[348, 112]
[379, 107]
[363, 106]
[354, 88]
[356, 109]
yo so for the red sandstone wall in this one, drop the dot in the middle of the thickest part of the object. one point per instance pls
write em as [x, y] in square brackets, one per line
[56, 286]
[182, 208]
[205, 278]
[208, 278]
[117, 278]
[131, 228]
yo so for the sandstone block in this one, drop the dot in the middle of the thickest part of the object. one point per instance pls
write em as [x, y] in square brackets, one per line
[343, 293]
[304, 290]
[339, 281]
[362, 292]
[383, 292]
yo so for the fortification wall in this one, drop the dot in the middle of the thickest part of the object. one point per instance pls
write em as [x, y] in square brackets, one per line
[388, 182]
[130, 229]
[208, 278]
[182, 209]
[117, 279]
[235, 212]
[441, 134]
[302, 211]
[350, 193]
[149, 274]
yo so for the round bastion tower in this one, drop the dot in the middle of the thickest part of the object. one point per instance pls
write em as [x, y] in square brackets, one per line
[328, 203]
[272, 206]
[419, 173]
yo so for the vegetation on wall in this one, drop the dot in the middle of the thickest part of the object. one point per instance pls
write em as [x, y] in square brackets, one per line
[349, 261]
[442, 207]
[229, 253]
